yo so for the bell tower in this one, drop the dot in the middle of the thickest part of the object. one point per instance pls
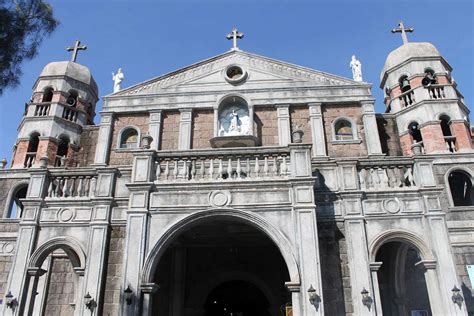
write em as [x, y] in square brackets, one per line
[63, 101]
[430, 112]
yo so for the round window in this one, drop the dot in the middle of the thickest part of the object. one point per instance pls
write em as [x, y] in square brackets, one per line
[235, 74]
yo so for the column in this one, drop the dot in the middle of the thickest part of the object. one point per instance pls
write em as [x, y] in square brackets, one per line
[34, 275]
[155, 128]
[359, 264]
[19, 280]
[374, 268]
[185, 129]
[317, 130]
[372, 137]
[104, 139]
[136, 234]
[284, 128]
[98, 238]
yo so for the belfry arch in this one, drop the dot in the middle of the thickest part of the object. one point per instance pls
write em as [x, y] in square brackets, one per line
[205, 221]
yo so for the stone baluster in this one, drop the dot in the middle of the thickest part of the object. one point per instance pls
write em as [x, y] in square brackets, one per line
[248, 170]
[158, 171]
[274, 167]
[362, 179]
[80, 190]
[375, 178]
[256, 168]
[50, 188]
[229, 169]
[384, 177]
[409, 177]
[202, 168]
[193, 169]
[265, 166]
[283, 167]
[93, 184]
[175, 170]
[166, 173]
[211, 169]
[370, 182]
[221, 169]
[238, 169]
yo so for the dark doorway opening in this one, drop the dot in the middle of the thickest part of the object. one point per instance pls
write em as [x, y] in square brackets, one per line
[236, 298]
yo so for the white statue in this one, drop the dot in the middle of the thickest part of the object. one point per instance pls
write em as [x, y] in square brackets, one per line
[356, 67]
[118, 78]
[234, 126]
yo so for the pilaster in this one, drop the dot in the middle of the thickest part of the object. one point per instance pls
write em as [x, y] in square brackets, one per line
[185, 129]
[155, 128]
[104, 139]
[284, 128]
[317, 130]
[372, 137]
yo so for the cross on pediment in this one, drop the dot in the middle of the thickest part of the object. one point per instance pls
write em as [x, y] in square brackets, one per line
[77, 47]
[402, 29]
[234, 35]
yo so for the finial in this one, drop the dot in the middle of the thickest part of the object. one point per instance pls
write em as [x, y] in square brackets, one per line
[402, 29]
[234, 35]
[77, 47]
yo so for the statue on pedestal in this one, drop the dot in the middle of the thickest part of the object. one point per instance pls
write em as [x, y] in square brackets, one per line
[118, 78]
[356, 67]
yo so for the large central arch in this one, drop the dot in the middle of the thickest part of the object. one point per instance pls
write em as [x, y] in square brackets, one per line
[200, 217]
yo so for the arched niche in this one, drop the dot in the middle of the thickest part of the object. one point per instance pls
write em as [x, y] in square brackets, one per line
[233, 122]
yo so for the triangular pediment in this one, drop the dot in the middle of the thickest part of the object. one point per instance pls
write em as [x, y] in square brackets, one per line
[262, 71]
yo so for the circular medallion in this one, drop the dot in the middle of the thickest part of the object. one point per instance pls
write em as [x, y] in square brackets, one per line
[8, 247]
[392, 205]
[65, 215]
[219, 198]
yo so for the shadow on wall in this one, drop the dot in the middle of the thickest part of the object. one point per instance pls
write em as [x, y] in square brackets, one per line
[468, 298]
[332, 251]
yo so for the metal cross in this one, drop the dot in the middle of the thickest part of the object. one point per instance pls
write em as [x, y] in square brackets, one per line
[401, 29]
[234, 35]
[77, 47]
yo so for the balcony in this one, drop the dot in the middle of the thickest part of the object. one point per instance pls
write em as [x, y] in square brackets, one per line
[386, 176]
[42, 109]
[243, 164]
[62, 185]
[29, 159]
[421, 93]
[70, 114]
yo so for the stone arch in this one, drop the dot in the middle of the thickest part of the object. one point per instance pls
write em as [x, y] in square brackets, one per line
[355, 134]
[233, 94]
[69, 245]
[461, 169]
[122, 133]
[402, 236]
[197, 218]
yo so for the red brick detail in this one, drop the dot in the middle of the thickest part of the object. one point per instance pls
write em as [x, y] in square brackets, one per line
[266, 126]
[170, 130]
[203, 128]
[463, 135]
[406, 141]
[300, 116]
[433, 139]
[20, 154]
[46, 147]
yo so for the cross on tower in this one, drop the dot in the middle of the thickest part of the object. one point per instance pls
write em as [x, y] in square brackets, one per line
[234, 35]
[401, 29]
[77, 47]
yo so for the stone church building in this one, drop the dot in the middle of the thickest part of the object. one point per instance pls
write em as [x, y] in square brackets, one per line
[245, 186]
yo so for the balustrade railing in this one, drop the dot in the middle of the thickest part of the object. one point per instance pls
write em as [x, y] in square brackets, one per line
[407, 98]
[384, 177]
[450, 143]
[436, 92]
[42, 109]
[70, 114]
[30, 160]
[72, 186]
[223, 167]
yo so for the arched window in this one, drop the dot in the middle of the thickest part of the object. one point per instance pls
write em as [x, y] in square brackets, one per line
[343, 130]
[48, 95]
[413, 129]
[430, 78]
[460, 185]
[129, 138]
[404, 83]
[445, 125]
[15, 207]
[63, 146]
[31, 151]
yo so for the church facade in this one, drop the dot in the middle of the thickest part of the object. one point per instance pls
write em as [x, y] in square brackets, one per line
[242, 185]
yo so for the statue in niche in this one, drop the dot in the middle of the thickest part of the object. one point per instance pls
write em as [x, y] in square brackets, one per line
[234, 121]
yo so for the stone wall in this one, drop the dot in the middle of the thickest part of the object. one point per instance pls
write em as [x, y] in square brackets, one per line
[203, 129]
[170, 130]
[330, 114]
[334, 268]
[60, 292]
[113, 282]
[5, 267]
[388, 132]
[89, 137]
[266, 126]
[124, 156]
[299, 115]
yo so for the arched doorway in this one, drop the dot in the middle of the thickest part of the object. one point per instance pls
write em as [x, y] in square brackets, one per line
[221, 260]
[402, 284]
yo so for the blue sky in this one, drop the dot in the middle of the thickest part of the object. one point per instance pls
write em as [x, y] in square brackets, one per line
[150, 38]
